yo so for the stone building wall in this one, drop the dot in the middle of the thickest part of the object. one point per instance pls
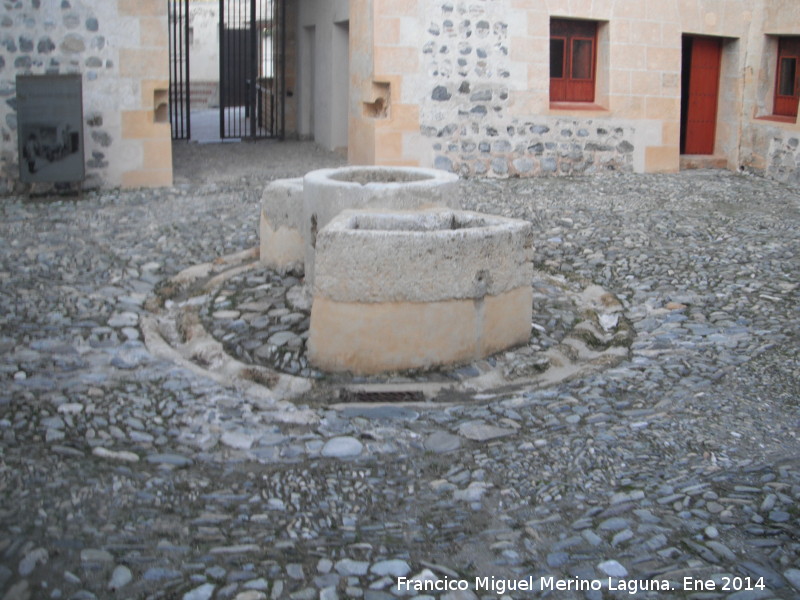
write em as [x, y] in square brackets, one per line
[120, 48]
[488, 109]
[464, 85]
[460, 85]
[544, 146]
[768, 144]
[469, 116]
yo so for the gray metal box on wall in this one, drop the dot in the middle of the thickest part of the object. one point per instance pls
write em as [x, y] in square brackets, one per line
[50, 128]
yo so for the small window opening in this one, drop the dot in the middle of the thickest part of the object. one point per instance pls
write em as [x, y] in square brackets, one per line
[573, 59]
[787, 86]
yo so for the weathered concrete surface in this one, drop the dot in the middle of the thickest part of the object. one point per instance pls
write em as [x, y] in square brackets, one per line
[368, 338]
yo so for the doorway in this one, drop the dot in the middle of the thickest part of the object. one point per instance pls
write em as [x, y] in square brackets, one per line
[234, 86]
[251, 82]
[700, 75]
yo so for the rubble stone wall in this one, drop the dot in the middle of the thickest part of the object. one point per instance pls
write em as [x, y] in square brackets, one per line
[543, 146]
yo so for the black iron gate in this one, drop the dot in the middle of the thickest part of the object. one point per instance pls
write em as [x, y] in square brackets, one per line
[252, 65]
[179, 100]
[251, 71]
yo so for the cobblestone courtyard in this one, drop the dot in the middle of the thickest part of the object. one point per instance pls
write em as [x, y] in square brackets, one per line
[124, 475]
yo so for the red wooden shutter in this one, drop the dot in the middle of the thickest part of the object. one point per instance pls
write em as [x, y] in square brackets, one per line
[581, 82]
[558, 69]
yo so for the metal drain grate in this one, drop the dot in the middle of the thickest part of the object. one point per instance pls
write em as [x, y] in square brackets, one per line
[381, 397]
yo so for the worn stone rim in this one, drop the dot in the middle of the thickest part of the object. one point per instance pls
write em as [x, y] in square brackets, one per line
[344, 177]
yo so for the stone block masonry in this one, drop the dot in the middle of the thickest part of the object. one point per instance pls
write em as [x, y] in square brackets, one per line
[293, 210]
[120, 49]
[281, 225]
[327, 192]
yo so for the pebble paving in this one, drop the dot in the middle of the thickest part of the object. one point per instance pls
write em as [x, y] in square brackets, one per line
[125, 475]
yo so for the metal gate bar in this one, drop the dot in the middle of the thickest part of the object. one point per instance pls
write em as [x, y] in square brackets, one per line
[179, 94]
[277, 108]
[255, 68]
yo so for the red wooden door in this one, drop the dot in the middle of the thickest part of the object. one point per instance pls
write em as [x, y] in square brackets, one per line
[701, 117]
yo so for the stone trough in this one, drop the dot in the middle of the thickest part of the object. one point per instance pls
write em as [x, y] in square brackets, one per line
[408, 290]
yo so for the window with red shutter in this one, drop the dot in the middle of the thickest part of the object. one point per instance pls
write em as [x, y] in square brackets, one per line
[573, 59]
[787, 85]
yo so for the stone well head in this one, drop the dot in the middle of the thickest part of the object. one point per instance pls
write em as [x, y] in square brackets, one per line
[327, 192]
[405, 290]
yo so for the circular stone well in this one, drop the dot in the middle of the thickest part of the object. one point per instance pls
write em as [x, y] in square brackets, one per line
[327, 192]
[218, 319]
[406, 290]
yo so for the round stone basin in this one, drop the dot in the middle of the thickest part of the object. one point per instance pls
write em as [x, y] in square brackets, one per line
[412, 290]
[327, 192]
